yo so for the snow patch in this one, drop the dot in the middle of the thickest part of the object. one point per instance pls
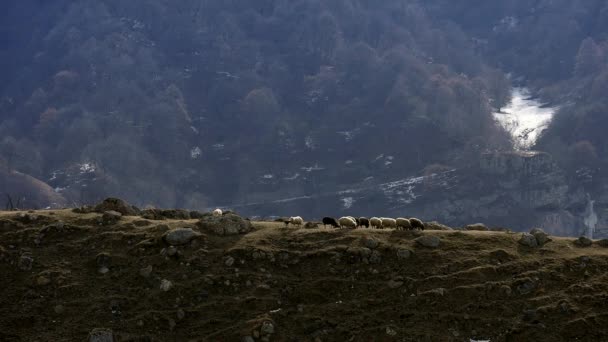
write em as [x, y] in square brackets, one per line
[524, 118]
[86, 168]
[316, 167]
[195, 152]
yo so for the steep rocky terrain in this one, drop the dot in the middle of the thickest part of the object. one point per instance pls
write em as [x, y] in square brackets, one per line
[163, 276]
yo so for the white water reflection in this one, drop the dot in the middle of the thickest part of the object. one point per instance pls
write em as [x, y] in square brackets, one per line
[524, 118]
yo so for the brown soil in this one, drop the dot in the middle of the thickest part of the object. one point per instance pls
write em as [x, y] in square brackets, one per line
[291, 284]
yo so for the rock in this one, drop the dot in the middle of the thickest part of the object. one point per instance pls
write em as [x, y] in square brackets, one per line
[501, 255]
[375, 257]
[428, 241]
[311, 225]
[59, 309]
[165, 285]
[171, 251]
[228, 224]
[394, 284]
[267, 328]
[195, 215]
[146, 271]
[115, 204]
[247, 339]
[505, 290]
[101, 335]
[403, 253]
[43, 280]
[541, 237]
[434, 225]
[229, 261]
[25, 262]
[528, 240]
[110, 217]
[175, 214]
[103, 270]
[103, 259]
[524, 286]
[370, 243]
[180, 314]
[180, 236]
[477, 227]
[583, 241]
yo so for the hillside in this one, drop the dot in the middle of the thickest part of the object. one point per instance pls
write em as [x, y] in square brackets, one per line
[68, 275]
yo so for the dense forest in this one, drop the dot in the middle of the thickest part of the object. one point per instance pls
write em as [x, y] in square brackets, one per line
[204, 102]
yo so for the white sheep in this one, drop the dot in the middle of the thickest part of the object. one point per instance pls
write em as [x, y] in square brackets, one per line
[296, 220]
[375, 222]
[388, 222]
[403, 223]
[217, 212]
[347, 222]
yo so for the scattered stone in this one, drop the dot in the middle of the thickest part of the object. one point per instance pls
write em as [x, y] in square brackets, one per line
[528, 240]
[172, 324]
[477, 227]
[25, 262]
[229, 261]
[541, 237]
[180, 314]
[403, 253]
[165, 285]
[103, 270]
[180, 236]
[101, 335]
[146, 271]
[110, 217]
[505, 290]
[370, 243]
[227, 224]
[59, 309]
[524, 286]
[583, 241]
[247, 339]
[428, 241]
[390, 331]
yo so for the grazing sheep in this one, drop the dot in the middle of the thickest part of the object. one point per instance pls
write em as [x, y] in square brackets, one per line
[347, 222]
[217, 212]
[296, 220]
[389, 222]
[403, 224]
[364, 222]
[375, 222]
[416, 223]
[330, 221]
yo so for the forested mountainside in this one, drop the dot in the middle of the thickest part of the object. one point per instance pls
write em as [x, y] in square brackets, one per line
[203, 103]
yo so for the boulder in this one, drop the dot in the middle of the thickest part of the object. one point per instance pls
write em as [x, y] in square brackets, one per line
[110, 217]
[428, 241]
[583, 241]
[101, 335]
[118, 205]
[180, 236]
[477, 226]
[229, 224]
[434, 225]
[540, 235]
[528, 240]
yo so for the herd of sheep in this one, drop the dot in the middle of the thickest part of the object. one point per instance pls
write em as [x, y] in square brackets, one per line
[374, 222]
[399, 223]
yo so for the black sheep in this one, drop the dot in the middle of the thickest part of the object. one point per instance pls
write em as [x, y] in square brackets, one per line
[416, 223]
[364, 222]
[331, 221]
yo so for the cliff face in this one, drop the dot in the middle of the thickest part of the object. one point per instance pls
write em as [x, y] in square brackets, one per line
[520, 190]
